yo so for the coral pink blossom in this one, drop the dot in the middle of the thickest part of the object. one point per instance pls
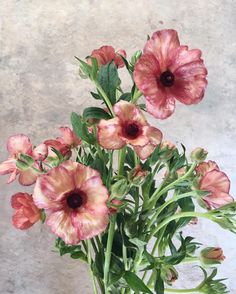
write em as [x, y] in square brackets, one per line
[40, 152]
[216, 182]
[64, 149]
[128, 127]
[74, 199]
[27, 213]
[107, 54]
[69, 138]
[16, 145]
[168, 71]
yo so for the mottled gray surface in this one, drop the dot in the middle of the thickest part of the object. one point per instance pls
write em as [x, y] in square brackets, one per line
[39, 88]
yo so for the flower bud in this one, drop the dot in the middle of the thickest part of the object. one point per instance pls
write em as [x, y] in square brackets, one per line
[212, 255]
[198, 155]
[137, 176]
[169, 274]
[115, 205]
[119, 188]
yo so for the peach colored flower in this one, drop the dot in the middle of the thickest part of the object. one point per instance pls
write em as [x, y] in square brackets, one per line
[27, 213]
[16, 145]
[216, 182]
[68, 138]
[107, 54]
[40, 152]
[64, 149]
[74, 199]
[128, 127]
[168, 71]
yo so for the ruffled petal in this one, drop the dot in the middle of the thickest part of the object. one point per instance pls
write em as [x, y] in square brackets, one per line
[40, 152]
[61, 225]
[218, 199]
[7, 166]
[161, 44]
[96, 194]
[118, 60]
[215, 181]
[127, 111]
[28, 177]
[154, 135]
[109, 134]
[205, 167]
[161, 107]
[19, 144]
[89, 223]
[68, 137]
[83, 173]
[20, 221]
[145, 151]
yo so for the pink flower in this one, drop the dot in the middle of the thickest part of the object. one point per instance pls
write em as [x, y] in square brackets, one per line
[74, 199]
[64, 149]
[168, 71]
[107, 54]
[27, 213]
[16, 145]
[40, 152]
[216, 182]
[128, 127]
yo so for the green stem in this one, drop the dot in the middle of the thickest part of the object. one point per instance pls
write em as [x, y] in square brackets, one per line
[193, 290]
[121, 158]
[90, 266]
[136, 96]
[178, 216]
[156, 195]
[105, 98]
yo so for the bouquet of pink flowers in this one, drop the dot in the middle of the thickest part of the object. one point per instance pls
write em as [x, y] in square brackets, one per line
[113, 192]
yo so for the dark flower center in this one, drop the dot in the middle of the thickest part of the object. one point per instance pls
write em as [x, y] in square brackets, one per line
[167, 78]
[132, 130]
[74, 200]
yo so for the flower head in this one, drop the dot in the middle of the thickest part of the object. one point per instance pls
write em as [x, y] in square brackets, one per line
[168, 71]
[74, 199]
[214, 181]
[107, 54]
[26, 212]
[212, 255]
[68, 138]
[17, 145]
[128, 127]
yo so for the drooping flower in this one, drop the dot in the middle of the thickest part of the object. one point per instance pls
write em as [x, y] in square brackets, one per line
[168, 71]
[128, 127]
[26, 212]
[17, 145]
[74, 199]
[107, 54]
[214, 181]
[212, 255]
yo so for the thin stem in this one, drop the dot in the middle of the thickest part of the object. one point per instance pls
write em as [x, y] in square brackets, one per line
[156, 195]
[121, 158]
[193, 290]
[90, 266]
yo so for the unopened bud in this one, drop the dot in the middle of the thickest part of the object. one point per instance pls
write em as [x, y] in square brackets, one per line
[119, 188]
[198, 155]
[137, 176]
[115, 205]
[212, 255]
[169, 275]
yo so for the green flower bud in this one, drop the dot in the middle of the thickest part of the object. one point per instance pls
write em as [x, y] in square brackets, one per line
[119, 189]
[198, 155]
[211, 255]
[168, 274]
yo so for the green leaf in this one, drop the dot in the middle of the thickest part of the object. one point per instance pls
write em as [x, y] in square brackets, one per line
[79, 255]
[94, 68]
[95, 112]
[139, 243]
[43, 216]
[21, 165]
[109, 80]
[125, 96]
[159, 284]
[80, 128]
[96, 96]
[27, 159]
[85, 67]
[135, 283]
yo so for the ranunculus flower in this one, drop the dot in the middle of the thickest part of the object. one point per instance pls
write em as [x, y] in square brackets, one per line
[168, 71]
[214, 181]
[16, 145]
[128, 127]
[27, 213]
[74, 199]
[107, 54]
[64, 149]
[40, 152]
[68, 138]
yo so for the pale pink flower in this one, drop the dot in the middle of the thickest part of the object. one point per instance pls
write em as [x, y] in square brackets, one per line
[74, 199]
[27, 213]
[216, 182]
[128, 127]
[40, 152]
[107, 54]
[168, 71]
[64, 149]
[17, 145]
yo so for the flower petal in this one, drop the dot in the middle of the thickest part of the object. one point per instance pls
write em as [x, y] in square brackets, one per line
[20, 221]
[109, 134]
[68, 137]
[28, 177]
[82, 174]
[161, 44]
[218, 199]
[7, 166]
[145, 151]
[154, 135]
[40, 152]
[127, 111]
[61, 224]
[205, 167]
[215, 181]
[19, 144]
[162, 107]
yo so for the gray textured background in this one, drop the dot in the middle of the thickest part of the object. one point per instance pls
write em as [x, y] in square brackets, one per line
[39, 87]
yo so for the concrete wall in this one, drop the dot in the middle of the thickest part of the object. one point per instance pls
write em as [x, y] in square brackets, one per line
[39, 87]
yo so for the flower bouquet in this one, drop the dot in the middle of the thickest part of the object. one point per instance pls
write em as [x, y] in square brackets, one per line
[117, 195]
